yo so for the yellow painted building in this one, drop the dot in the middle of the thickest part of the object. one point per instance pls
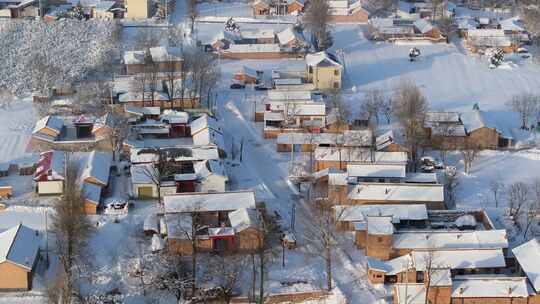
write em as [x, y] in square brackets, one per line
[137, 9]
[324, 71]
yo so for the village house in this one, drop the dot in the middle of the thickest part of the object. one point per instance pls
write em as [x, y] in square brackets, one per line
[95, 179]
[486, 130]
[247, 75]
[138, 9]
[421, 262]
[295, 6]
[393, 29]
[221, 222]
[71, 133]
[19, 8]
[345, 11]
[527, 256]
[261, 8]
[324, 71]
[19, 255]
[445, 129]
[347, 216]
[482, 39]
[50, 173]
[181, 176]
[158, 59]
[467, 289]
[294, 117]
[291, 39]
[206, 131]
[340, 157]
[308, 142]
[397, 193]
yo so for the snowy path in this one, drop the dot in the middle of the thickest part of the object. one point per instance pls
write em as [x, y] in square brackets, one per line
[266, 171]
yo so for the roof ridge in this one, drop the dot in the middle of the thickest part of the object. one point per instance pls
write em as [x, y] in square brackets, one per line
[13, 240]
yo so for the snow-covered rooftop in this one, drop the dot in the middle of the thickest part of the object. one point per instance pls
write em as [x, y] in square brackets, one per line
[203, 122]
[488, 37]
[244, 218]
[503, 122]
[19, 245]
[51, 166]
[358, 213]
[134, 57]
[528, 257]
[165, 54]
[460, 259]
[98, 167]
[289, 95]
[359, 155]
[208, 202]
[143, 173]
[423, 25]
[421, 178]
[257, 34]
[482, 239]
[52, 122]
[485, 286]
[393, 266]
[394, 192]
[174, 117]
[380, 225]
[376, 170]
[321, 59]
[253, 48]
[92, 193]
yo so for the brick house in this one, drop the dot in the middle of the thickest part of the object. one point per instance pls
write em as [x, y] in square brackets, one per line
[222, 222]
[19, 254]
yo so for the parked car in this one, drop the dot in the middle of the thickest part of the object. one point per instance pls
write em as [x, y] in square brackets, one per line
[429, 163]
[237, 86]
[262, 87]
[523, 53]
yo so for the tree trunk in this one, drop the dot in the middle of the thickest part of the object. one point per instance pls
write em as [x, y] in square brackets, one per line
[261, 282]
[328, 258]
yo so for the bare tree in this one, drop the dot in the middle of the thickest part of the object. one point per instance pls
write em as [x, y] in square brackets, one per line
[533, 211]
[172, 276]
[497, 189]
[446, 26]
[525, 105]
[410, 107]
[161, 170]
[517, 196]
[373, 103]
[340, 108]
[146, 38]
[469, 153]
[530, 15]
[72, 229]
[192, 13]
[118, 131]
[140, 85]
[387, 109]
[429, 270]
[320, 236]
[451, 185]
[316, 18]
[226, 272]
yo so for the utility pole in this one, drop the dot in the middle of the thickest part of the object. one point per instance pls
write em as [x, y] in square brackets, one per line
[46, 241]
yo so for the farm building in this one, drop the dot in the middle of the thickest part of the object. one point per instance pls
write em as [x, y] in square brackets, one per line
[432, 195]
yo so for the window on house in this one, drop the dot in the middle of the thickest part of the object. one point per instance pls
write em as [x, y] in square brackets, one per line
[336, 85]
[379, 276]
[379, 239]
[310, 70]
[336, 72]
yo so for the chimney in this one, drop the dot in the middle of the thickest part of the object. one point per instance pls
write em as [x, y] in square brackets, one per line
[509, 290]
[461, 289]
[386, 191]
